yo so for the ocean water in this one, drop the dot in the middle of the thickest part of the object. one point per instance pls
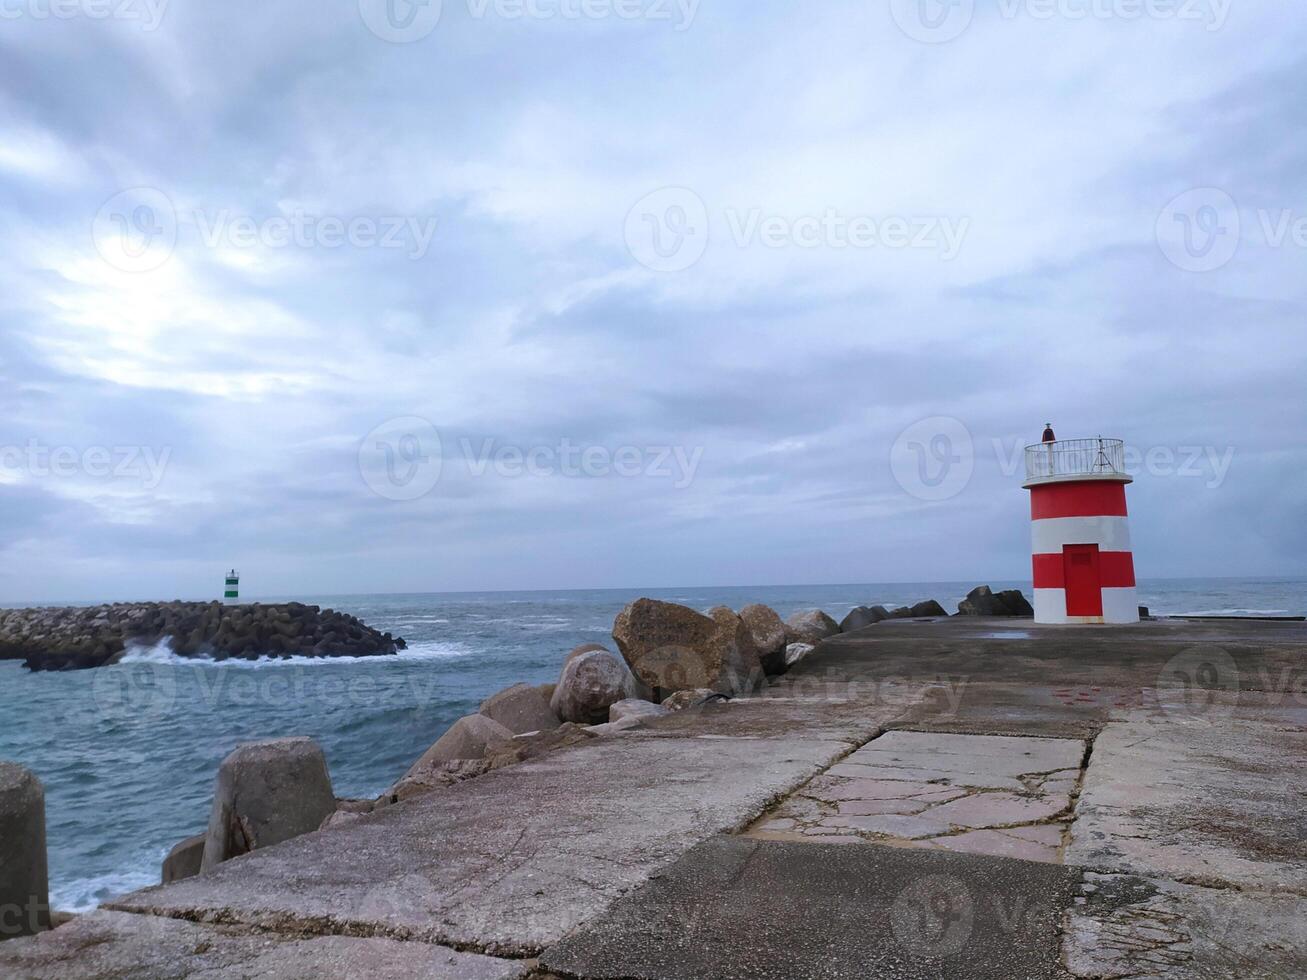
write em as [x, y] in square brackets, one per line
[128, 753]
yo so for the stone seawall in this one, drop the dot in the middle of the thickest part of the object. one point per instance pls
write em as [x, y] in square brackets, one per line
[78, 638]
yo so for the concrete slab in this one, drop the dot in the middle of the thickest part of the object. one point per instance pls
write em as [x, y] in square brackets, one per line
[996, 676]
[979, 783]
[116, 945]
[1130, 926]
[736, 908]
[514, 860]
[1208, 804]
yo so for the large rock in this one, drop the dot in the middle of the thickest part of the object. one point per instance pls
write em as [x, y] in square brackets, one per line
[796, 652]
[810, 626]
[471, 737]
[673, 648]
[420, 780]
[862, 617]
[520, 709]
[184, 860]
[1017, 604]
[928, 608]
[266, 793]
[24, 881]
[585, 648]
[590, 684]
[750, 659]
[982, 601]
[768, 633]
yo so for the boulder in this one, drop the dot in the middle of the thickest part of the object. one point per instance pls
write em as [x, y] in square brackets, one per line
[902, 612]
[418, 781]
[862, 617]
[590, 684]
[184, 860]
[266, 793]
[468, 738]
[520, 709]
[533, 746]
[928, 608]
[981, 601]
[1016, 603]
[24, 877]
[796, 652]
[635, 708]
[672, 648]
[810, 626]
[688, 699]
[585, 648]
[754, 677]
[546, 691]
[768, 633]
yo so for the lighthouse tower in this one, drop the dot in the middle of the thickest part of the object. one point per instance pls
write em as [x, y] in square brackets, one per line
[1083, 568]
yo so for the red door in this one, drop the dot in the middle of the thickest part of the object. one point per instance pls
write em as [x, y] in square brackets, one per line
[1084, 589]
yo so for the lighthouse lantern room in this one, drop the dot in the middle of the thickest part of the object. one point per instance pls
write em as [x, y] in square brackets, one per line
[1083, 567]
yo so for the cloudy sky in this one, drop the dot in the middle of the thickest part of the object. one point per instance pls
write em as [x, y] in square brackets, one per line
[498, 294]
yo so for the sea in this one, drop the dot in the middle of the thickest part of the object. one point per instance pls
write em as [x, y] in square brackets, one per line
[128, 753]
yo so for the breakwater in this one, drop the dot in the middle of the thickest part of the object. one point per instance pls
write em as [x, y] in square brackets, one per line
[79, 638]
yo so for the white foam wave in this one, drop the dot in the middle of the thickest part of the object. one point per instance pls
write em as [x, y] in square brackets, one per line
[161, 653]
[1234, 612]
[83, 895]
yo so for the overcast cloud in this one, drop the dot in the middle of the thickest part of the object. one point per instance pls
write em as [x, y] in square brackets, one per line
[552, 293]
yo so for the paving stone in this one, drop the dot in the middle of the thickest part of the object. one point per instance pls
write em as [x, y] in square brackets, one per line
[1047, 833]
[1064, 786]
[1131, 926]
[867, 808]
[937, 777]
[999, 809]
[891, 825]
[876, 788]
[998, 844]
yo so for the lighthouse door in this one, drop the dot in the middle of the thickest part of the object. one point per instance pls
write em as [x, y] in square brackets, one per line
[1084, 589]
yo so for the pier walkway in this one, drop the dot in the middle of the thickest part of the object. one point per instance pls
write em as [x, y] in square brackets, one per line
[962, 797]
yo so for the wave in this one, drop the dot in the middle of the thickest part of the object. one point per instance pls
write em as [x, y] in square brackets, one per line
[162, 653]
[85, 894]
[1233, 612]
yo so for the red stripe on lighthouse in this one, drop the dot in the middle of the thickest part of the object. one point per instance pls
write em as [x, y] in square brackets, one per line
[1116, 570]
[1090, 498]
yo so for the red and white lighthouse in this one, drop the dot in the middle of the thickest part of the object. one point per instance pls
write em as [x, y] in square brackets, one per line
[1084, 569]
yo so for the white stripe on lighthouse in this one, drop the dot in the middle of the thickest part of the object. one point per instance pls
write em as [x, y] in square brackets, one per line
[1119, 606]
[1050, 534]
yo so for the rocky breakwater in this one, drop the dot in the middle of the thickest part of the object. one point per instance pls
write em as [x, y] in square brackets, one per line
[78, 638]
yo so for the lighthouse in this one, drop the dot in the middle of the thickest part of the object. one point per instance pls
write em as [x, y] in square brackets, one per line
[1084, 570]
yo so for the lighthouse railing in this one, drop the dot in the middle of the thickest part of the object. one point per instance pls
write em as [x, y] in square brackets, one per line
[1075, 457]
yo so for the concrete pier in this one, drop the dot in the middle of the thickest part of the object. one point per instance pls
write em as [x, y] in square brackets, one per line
[24, 890]
[959, 797]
